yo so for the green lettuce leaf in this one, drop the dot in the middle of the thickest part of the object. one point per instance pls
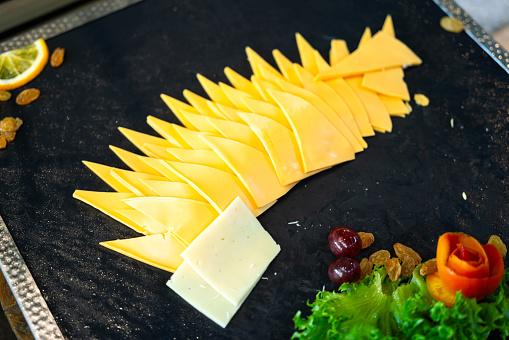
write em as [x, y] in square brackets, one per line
[377, 308]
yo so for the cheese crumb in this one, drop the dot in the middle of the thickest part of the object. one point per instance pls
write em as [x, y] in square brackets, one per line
[421, 99]
[452, 122]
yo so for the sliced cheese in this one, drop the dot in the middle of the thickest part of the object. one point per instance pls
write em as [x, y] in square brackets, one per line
[262, 86]
[252, 167]
[388, 82]
[175, 106]
[161, 251]
[139, 138]
[338, 51]
[321, 63]
[103, 171]
[202, 157]
[286, 67]
[241, 83]
[157, 165]
[388, 52]
[238, 132]
[320, 144]
[306, 52]
[151, 226]
[388, 26]
[255, 60]
[232, 253]
[173, 189]
[109, 203]
[366, 36]
[167, 130]
[156, 151]
[230, 113]
[395, 106]
[378, 115]
[267, 110]
[184, 217]
[131, 180]
[200, 121]
[192, 137]
[133, 161]
[235, 96]
[200, 104]
[214, 91]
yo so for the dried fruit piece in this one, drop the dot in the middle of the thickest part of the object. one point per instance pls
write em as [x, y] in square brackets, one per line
[3, 142]
[497, 242]
[57, 57]
[9, 135]
[428, 267]
[451, 25]
[380, 257]
[407, 267]
[367, 239]
[403, 252]
[8, 124]
[393, 268]
[366, 267]
[8, 128]
[27, 96]
[5, 96]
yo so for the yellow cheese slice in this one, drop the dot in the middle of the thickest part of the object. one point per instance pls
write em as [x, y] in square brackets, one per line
[161, 251]
[218, 187]
[235, 96]
[167, 130]
[241, 83]
[192, 137]
[103, 171]
[366, 36]
[232, 254]
[378, 115]
[321, 63]
[200, 121]
[388, 82]
[381, 51]
[202, 157]
[281, 146]
[200, 104]
[325, 110]
[388, 26]
[306, 52]
[175, 106]
[156, 151]
[139, 139]
[108, 203]
[286, 67]
[133, 161]
[157, 165]
[395, 106]
[255, 60]
[338, 51]
[354, 104]
[267, 110]
[214, 91]
[132, 181]
[184, 217]
[252, 167]
[238, 132]
[333, 100]
[320, 144]
[151, 226]
[230, 113]
[409, 107]
[173, 189]
[262, 86]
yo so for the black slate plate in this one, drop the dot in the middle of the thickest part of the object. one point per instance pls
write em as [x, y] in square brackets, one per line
[406, 187]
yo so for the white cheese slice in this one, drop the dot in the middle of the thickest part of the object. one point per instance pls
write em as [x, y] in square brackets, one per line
[232, 253]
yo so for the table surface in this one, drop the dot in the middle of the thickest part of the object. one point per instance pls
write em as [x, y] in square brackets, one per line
[406, 187]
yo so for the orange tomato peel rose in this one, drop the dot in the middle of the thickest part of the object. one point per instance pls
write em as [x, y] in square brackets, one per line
[464, 265]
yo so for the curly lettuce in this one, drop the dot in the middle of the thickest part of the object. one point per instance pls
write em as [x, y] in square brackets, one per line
[377, 308]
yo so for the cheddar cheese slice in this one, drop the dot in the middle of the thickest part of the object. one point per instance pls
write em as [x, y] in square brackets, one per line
[232, 253]
[133, 161]
[156, 151]
[161, 251]
[103, 171]
[255, 60]
[388, 82]
[321, 63]
[235, 96]
[151, 226]
[173, 189]
[131, 180]
[267, 110]
[262, 86]
[338, 51]
[231, 113]
[241, 83]
[389, 52]
[388, 26]
[157, 165]
[175, 106]
[366, 36]
[286, 67]
[184, 217]
[167, 130]
[320, 144]
[238, 132]
[306, 52]
[200, 104]
[252, 167]
[191, 137]
[139, 138]
[200, 121]
[214, 91]
[202, 157]
[109, 203]
[395, 106]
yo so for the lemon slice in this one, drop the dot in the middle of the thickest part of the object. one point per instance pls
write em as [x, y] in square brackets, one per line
[18, 67]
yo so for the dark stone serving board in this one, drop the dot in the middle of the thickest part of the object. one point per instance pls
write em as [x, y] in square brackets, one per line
[406, 187]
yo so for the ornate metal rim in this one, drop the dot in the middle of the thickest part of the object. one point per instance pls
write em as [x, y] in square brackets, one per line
[476, 32]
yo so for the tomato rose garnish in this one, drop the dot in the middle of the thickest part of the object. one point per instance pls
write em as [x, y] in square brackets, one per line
[465, 265]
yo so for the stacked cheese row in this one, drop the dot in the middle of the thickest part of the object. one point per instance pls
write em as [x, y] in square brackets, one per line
[253, 140]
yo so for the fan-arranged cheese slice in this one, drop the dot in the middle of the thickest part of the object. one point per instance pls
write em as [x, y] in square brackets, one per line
[241, 83]
[173, 189]
[214, 91]
[230, 113]
[161, 251]
[388, 26]
[200, 121]
[109, 203]
[267, 110]
[235, 96]
[167, 130]
[286, 67]
[133, 161]
[232, 253]
[378, 115]
[151, 226]
[184, 217]
[321, 63]
[255, 60]
[390, 52]
[131, 180]
[306, 52]
[238, 132]
[395, 106]
[252, 167]
[320, 144]
[388, 82]
[366, 36]
[192, 137]
[202, 157]
[156, 151]
[175, 106]
[338, 51]
[200, 104]
[139, 138]
[262, 86]
[157, 165]
[103, 171]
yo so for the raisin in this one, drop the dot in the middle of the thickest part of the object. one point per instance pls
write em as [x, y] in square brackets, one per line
[9, 135]
[8, 124]
[393, 268]
[57, 57]
[367, 239]
[451, 25]
[404, 252]
[407, 267]
[366, 268]
[4, 96]
[27, 96]
[380, 257]
[497, 242]
[3, 141]
[428, 267]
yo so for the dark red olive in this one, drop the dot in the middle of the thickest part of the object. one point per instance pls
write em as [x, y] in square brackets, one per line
[344, 242]
[344, 269]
